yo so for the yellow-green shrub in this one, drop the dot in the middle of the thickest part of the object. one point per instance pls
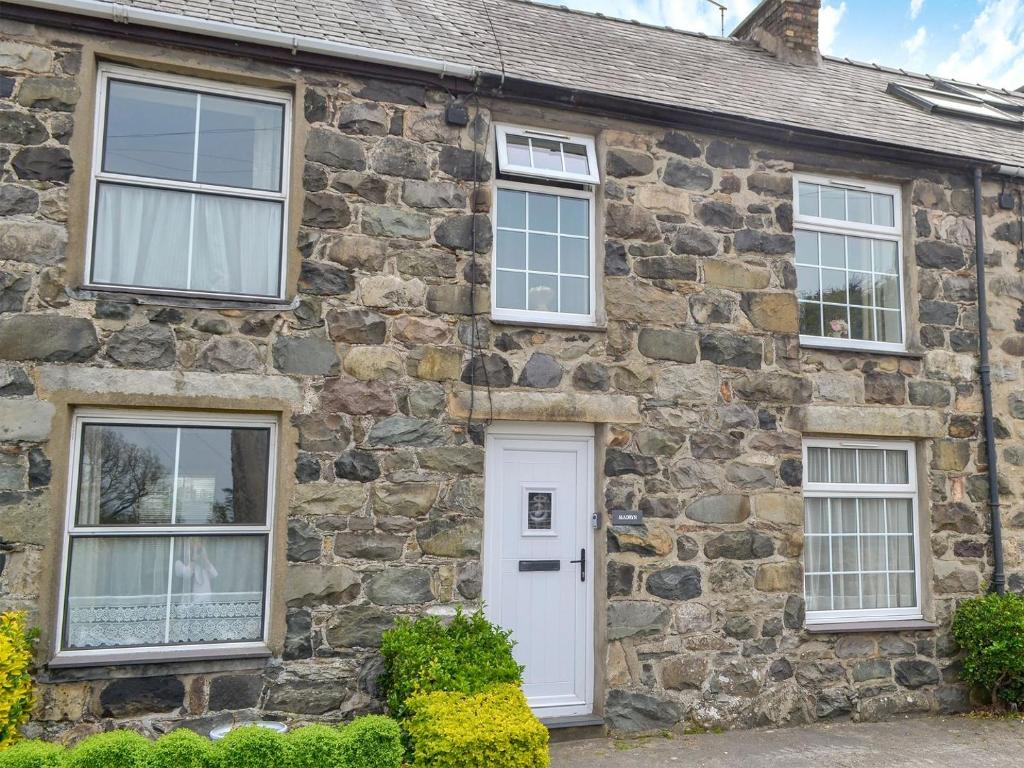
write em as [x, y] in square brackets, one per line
[314, 746]
[117, 749]
[372, 741]
[15, 681]
[32, 754]
[493, 729]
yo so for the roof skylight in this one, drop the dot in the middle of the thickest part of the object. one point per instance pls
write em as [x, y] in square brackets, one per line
[984, 105]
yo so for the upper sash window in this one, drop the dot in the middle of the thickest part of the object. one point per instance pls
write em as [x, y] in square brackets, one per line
[543, 155]
[189, 186]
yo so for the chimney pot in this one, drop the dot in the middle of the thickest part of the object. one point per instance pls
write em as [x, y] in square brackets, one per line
[786, 28]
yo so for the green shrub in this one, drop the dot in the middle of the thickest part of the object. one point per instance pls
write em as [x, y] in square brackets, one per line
[315, 746]
[32, 754]
[468, 655]
[990, 630]
[372, 741]
[251, 747]
[117, 749]
[181, 749]
[493, 729]
[16, 642]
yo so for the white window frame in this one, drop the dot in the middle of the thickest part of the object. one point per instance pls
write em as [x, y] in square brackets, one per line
[910, 490]
[94, 656]
[502, 132]
[108, 72]
[895, 233]
[529, 316]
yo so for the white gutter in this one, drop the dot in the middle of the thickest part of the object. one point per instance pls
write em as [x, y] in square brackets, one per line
[162, 20]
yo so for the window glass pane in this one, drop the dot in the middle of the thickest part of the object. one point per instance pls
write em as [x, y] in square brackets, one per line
[872, 515]
[809, 199]
[806, 247]
[236, 246]
[897, 470]
[899, 514]
[845, 557]
[833, 251]
[816, 554]
[872, 466]
[222, 476]
[883, 209]
[575, 216]
[511, 209]
[859, 206]
[810, 319]
[543, 293]
[887, 291]
[833, 203]
[862, 324]
[816, 515]
[843, 462]
[808, 283]
[240, 142]
[511, 289]
[817, 465]
[217, 593]
[846, 592]
[886, 257]
[126, 475]
[906, 590]
[818, 593]
[833, 286]
[576, 160]
[117, 592]
[141, 237]
[901, 553]
[858, 253]
[835, 321]
[543, 253]
[518, 150]
[543, 213]
[872, 553]
[860, 288]
[876, 590]
[149, 131]
[575, 295]
[844, 515]
[511, 249]
[888, 326]
[575, 256]
[547, 155]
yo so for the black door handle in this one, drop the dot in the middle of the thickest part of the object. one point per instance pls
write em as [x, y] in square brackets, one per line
[583, 564]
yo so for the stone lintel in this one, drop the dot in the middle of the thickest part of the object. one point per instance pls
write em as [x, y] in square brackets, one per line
[547, 406]
[232, 390]
[868, 420]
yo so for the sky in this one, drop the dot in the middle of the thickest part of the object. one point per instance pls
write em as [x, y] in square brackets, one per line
[977, 41]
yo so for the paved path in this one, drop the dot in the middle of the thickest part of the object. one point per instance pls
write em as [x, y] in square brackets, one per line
[949, 742]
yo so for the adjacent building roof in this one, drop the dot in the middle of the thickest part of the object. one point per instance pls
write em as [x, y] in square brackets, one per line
[592, 53]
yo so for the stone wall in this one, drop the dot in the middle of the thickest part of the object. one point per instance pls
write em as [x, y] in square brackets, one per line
[704, 612]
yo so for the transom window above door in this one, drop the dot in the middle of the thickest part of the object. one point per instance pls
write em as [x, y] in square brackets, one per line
[849, 263]
[544, 256]
[189, 186]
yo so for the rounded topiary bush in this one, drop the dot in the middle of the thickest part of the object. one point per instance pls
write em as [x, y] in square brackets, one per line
[120, 749]
[990, 630]
[181, 749]
[251, 747]
[32, 754]
[314, 746]
[373, 741]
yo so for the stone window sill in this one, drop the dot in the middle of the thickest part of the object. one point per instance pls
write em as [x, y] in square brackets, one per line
[912, 354]
[900, 625]
[592, 328]
[185, 302]
[157, 664]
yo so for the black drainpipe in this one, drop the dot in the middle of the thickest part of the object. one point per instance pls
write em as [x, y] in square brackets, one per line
[998, 574]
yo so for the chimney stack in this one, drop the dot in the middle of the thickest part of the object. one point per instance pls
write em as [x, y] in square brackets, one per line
[786, 28]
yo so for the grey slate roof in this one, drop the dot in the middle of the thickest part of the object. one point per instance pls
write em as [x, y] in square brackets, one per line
[553, 45]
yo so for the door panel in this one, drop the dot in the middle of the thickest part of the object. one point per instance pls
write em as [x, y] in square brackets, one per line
[539, 499]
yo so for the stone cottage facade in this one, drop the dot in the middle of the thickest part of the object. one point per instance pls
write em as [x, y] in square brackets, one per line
[357, 440]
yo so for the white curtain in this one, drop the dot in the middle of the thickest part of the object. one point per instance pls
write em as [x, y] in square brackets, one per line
[236, 245]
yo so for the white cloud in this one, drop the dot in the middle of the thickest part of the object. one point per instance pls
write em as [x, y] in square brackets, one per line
[915, 8]
[828, 25]
[992, 50]
[914, 44]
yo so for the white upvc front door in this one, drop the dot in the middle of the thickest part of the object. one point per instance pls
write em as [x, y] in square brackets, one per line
[538, 558]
